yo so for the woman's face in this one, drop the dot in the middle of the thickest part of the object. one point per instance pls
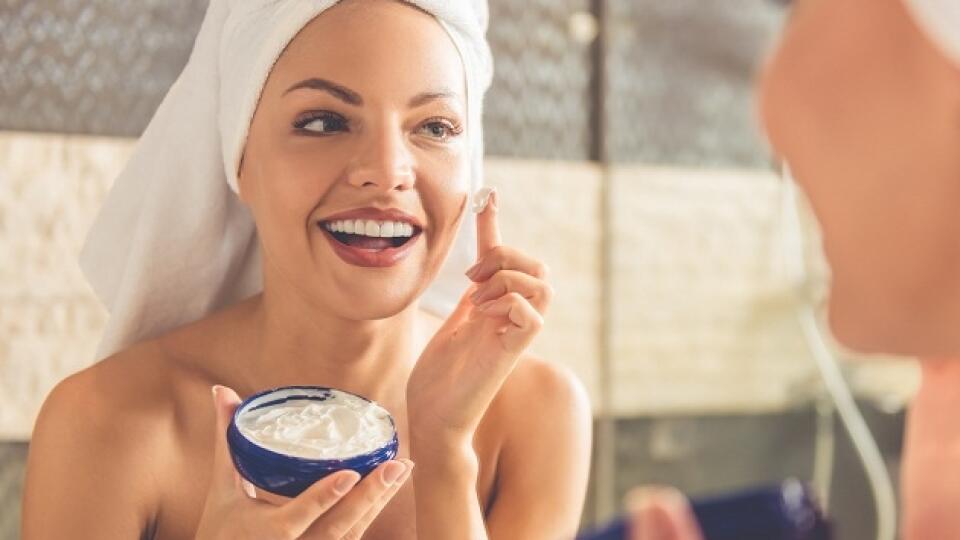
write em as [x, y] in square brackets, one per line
[360, 129]
[867, 114]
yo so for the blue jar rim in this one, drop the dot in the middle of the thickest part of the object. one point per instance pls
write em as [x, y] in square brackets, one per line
[255, 452]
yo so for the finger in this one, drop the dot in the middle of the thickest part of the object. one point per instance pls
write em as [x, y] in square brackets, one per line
[298, 514]
[516, 309]
[225, 402]
[361, 526]
[536, 291]
[488, 230]
[244, 485]
[661, 513]
[335, 522]
[506, 258]
[460, 313]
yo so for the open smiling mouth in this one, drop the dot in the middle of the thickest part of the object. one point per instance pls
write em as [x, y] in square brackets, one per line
[371, 243]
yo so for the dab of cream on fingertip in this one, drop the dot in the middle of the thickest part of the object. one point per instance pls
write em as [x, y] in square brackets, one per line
[481, 198]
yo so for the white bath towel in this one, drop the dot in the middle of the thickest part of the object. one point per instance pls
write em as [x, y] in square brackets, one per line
[172, 242]
[940, 19]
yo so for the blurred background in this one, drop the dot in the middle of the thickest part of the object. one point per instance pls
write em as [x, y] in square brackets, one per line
[623, 139]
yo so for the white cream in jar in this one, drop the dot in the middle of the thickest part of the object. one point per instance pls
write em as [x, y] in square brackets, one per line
[339, 427]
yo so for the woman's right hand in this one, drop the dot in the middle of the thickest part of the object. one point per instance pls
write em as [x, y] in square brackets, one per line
[337, 507]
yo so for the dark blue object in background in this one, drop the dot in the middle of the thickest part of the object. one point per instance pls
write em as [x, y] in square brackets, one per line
[784, 512]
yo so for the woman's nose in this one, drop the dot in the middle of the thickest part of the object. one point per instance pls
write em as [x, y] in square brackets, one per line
[385, 163]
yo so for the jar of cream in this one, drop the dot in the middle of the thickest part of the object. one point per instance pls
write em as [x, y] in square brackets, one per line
[285, 439]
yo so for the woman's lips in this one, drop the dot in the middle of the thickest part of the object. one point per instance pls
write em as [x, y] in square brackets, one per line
[370, 258]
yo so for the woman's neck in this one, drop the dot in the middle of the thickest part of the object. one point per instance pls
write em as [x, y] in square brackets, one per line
[293, 342]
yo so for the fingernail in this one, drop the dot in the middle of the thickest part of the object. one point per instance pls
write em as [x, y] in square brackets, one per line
[473, 270]
[408, 471]
[482, 198]
[493, 200]
[346, 482]
[214, 390]
[249, 489]
[392, 472]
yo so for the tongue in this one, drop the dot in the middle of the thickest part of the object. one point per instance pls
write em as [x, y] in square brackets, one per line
[368, 242]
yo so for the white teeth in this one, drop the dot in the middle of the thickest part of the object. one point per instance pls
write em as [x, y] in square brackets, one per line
[382, 229]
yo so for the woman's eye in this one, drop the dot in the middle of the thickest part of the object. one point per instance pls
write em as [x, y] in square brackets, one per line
[439, 129]
[321, 123]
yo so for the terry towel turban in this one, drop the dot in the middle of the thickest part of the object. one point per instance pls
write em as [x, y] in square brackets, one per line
[940, 19]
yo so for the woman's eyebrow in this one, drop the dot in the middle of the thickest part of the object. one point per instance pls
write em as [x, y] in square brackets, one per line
[426, 97]
[340, 92]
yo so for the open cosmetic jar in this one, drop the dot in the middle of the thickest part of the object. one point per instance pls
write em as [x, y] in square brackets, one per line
[285, 439]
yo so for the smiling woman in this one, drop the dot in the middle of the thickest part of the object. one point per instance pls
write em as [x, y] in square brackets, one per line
[292, 241]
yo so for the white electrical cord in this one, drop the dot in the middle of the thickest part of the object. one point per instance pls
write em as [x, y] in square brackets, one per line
[824, 449]
[863, 442]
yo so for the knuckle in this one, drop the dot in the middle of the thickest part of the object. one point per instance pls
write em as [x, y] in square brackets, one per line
[332, 530]
[352, 534]
[281, 528]
[370, 496]
[536, 322]
[548, 292]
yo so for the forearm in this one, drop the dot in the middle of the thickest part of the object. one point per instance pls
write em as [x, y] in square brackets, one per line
[445, 486]
[931, 461]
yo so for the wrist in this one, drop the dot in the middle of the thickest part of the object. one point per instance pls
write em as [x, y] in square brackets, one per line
[448, 452]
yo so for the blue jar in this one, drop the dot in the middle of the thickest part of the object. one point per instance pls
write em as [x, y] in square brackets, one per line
[289, 475]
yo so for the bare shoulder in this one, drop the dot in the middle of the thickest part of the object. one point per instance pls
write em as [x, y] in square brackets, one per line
[126, 392]
[94, 449]
[538, 387]
[544, 398]
[545, 426]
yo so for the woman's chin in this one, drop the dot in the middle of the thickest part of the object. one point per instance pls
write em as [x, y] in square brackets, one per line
[368, 302]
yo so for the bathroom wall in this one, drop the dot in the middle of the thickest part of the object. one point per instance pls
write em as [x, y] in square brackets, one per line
[660, 227]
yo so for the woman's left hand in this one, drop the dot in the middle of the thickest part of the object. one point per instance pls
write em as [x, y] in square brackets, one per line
[465, 364]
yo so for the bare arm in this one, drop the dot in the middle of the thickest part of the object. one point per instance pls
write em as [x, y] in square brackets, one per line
[446, 490]
[545, 461]
[542, 471]
[80, 481]
[930, 475]
[469, 364]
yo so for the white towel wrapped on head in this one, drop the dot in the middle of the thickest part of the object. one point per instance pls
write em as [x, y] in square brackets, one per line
[940, 20]
[172, 242]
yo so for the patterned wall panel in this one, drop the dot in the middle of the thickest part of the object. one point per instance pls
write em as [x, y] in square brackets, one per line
[102, 67]
[539, 104]
[680, 80]
[99, 67]
[13, 460]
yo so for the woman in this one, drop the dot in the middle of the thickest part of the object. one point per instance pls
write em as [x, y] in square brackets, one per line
[862, 99]
[316, 114]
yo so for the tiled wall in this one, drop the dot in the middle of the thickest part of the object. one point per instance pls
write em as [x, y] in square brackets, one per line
[701, 317]
[13, 459]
